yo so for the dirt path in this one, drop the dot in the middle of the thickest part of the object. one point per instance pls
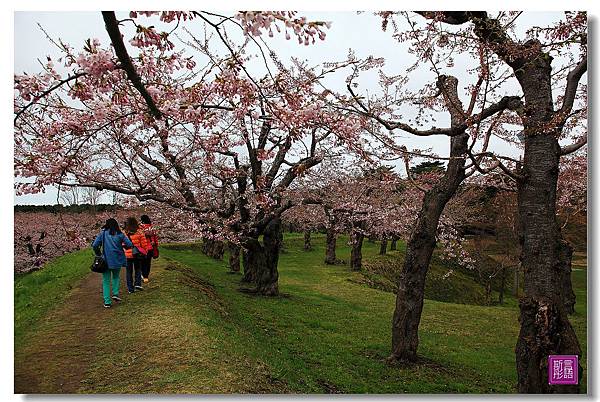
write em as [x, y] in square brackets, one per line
[63, 347]
[153, 342]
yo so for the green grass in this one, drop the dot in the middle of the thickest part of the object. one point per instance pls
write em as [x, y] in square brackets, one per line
[458, 286]
[168, 343]
[192, 331]
[38, 292]
[328, 333]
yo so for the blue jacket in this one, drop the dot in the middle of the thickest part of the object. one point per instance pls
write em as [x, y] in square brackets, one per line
[112, 246]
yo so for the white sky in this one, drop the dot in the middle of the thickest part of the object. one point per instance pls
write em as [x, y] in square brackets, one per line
[360, 32]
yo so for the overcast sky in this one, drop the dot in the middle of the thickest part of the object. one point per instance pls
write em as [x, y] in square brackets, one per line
[349, 30]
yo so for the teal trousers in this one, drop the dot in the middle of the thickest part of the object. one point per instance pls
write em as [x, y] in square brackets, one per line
[108, 276]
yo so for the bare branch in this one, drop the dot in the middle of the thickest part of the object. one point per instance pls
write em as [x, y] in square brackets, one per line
[408, 174]
[507, 102]
[571, 90]
[569, 149]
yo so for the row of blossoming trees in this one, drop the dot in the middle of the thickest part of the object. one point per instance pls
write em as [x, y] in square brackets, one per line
[219, 128]
[41, 236]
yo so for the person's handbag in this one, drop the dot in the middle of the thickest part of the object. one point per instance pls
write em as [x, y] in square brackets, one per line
[99, 265]
[155, 253]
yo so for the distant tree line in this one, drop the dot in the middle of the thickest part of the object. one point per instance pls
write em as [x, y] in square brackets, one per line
[76, 208]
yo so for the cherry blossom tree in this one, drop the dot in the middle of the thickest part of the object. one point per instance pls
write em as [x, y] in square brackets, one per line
[198, 132]
[465, 126]
[40, 237]
[495, 59]
[360, 200]
[305, 218]
[555, 104]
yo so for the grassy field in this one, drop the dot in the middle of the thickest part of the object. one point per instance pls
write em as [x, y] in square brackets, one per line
[192, 331]
[458, 286]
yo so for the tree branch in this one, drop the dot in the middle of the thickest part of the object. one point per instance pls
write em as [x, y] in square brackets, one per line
[571, 90]
[46, 92]
[507, 102]
[112, 27]
[569, 149]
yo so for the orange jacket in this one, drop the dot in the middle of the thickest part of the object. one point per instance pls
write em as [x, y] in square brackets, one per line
[150, 234]
[139, 240]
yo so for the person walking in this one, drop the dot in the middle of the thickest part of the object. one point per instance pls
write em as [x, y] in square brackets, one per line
[135, 255]
[152, 239]
[110, 244]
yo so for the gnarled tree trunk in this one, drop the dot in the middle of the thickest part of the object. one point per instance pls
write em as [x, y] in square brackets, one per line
[565, 260]
[420, 246]
[356, 250]
[393, 243]
[263, 259]
[234, 257]
[248, 277]
[331, 241]
[213, 248]
[545, 327]
[249, 267]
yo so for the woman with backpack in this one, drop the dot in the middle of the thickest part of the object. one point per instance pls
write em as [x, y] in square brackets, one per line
[135, 255]
[109, 244]
[150, 233]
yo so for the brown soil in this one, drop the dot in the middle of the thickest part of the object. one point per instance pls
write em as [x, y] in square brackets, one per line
[63, 347]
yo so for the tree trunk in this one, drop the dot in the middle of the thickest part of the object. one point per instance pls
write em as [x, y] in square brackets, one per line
[218, 250]
[234, 257]
[263, 259]
[502, 286]
[213, 248]
[307, 244]
[356, 251]
[393, 246]
[420, 246]
[383, 247]
[330, 257]
[248, 276]
[249, 268]
[565, 259]
[517, 271]
[545, 327]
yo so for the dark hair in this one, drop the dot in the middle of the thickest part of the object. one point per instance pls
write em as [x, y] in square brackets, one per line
[145, 219]
[112, 226]
[131, 225]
